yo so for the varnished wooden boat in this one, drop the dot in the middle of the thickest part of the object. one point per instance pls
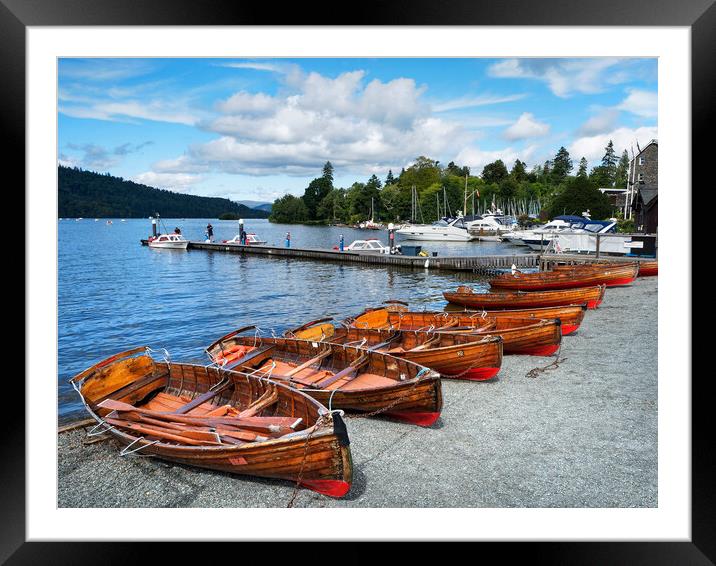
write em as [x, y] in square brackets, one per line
[519, 335]
[342, 377]
[217, 419]
[570, 316]
[648, 268]
[453, 355]
[567, 279]
[465, 296]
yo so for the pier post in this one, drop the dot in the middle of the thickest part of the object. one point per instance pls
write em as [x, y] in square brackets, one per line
[288, 239]
[242, 234]
[391, 237]
[154, 227]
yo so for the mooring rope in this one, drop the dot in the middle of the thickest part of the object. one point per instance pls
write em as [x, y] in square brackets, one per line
[533, 373]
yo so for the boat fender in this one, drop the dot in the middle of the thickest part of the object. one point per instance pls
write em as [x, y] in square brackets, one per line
[339, 427]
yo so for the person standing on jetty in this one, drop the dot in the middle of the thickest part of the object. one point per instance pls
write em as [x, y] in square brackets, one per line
[209, 232]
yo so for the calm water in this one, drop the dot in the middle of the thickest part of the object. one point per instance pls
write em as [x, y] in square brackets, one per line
[115, 294]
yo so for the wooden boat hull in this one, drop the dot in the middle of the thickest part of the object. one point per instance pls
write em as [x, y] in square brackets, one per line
[464, 296]
[571, 316]
[648, 268]
[567, 279]
[520, 336]
[387, 386]
[452, 355]
[318, 457]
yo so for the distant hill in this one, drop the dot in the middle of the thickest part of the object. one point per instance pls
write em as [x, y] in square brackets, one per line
[257, 204]
[88, 194]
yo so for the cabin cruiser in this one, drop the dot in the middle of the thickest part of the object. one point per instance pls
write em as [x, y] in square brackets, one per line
[454, 230]
[168, 241]
[487, 228]
[586, 227]
[251, 240]
[556, 225]
[370, 245]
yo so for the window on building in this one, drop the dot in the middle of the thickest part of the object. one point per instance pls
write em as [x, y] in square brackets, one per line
[641, 177]
[641, 161]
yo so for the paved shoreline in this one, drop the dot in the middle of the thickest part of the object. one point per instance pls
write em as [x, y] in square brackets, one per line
[583, 434]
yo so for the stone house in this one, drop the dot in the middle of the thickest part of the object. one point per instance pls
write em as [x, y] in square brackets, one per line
[643, 186]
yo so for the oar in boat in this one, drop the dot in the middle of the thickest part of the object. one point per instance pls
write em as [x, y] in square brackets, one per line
[426, 344]
[310, 362]
[155, 431]
[345, 373]
[201, 399]
[266, 400]
[388, 342]
[262, 424]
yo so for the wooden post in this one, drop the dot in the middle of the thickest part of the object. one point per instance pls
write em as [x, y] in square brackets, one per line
[598, 241]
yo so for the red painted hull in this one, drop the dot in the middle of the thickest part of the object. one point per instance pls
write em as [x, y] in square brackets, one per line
[420, 419]
[540, 351]
[648, 272]
[569, 329]
[616, 282]
[476, 374]
[332, 488]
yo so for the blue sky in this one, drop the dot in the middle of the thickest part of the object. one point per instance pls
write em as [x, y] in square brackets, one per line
[259, 128]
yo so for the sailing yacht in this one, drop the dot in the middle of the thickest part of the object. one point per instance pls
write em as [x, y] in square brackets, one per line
[371, 224]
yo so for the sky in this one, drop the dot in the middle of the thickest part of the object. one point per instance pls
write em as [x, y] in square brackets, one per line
[256, 129]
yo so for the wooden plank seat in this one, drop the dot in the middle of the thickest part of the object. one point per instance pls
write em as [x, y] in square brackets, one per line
[312, 375]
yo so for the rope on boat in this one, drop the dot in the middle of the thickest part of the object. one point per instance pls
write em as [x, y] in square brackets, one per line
[394, 403]
[533, 373]
[321, 422]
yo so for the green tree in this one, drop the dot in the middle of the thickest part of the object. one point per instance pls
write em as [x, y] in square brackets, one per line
[317, 191]
[562, 165]
[519, 171]
[622, 170]
[389, 179]
[334, 207]
[609, 165]
[582, 171]
[494, 172]
[288, 210]
[579, 195]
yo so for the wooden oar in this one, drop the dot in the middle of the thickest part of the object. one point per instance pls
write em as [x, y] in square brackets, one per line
[426, 344]
[355, 365]
[266, 400]
[310, 362]
[201, 399]
[261, 424]
[259, 352]
[159, 433]
[386, 343]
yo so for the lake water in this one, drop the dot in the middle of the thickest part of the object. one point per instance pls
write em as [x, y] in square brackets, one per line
[115, 294]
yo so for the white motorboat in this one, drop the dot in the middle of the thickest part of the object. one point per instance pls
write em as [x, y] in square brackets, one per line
[370, 245]
[586, 227]
[487, 228]
[168, 241]
[440, 231]
[251, 240]
[555, 226]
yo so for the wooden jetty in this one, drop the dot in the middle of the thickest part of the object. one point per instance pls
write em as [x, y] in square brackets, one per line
[484, 264]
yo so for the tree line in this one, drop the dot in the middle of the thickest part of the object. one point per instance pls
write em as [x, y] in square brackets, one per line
[88, 194]
[555, 184]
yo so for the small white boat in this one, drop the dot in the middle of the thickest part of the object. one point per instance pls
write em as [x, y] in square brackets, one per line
[487, 228]
[251, 240]
[169, 241]
[440, 231]
[370, 245]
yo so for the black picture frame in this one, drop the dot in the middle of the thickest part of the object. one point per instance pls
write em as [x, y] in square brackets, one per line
[699, 15]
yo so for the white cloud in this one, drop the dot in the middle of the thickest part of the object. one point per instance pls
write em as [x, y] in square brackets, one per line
[564, 77]
[592, 147]
[167, 180]
[97, 157]
[472, 102]
[525, 127]
[256, 66]
[244, 102]
[603, 121]
[476, 159]
[640, 102]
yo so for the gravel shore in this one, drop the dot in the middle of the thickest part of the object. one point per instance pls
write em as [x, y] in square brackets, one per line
[583, 434]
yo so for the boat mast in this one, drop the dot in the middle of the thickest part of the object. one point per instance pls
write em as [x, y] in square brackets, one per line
[464, 206]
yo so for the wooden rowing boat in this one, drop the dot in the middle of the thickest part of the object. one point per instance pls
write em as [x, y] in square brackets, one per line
[217, 419]
[570, 316]
[465, 296]
[648, 268]
[453, 355]
[567, 279]
[519, 335]
[342, 377]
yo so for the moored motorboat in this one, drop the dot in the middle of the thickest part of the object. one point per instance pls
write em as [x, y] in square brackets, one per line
[465, 296]
[342, 377]
[567, 278]
[453, 355]
[519, 335]
[168, 241]
[217, 419]
[251, 240]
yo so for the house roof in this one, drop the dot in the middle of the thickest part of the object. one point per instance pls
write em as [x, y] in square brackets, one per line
[648, 195]
[643, 149]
